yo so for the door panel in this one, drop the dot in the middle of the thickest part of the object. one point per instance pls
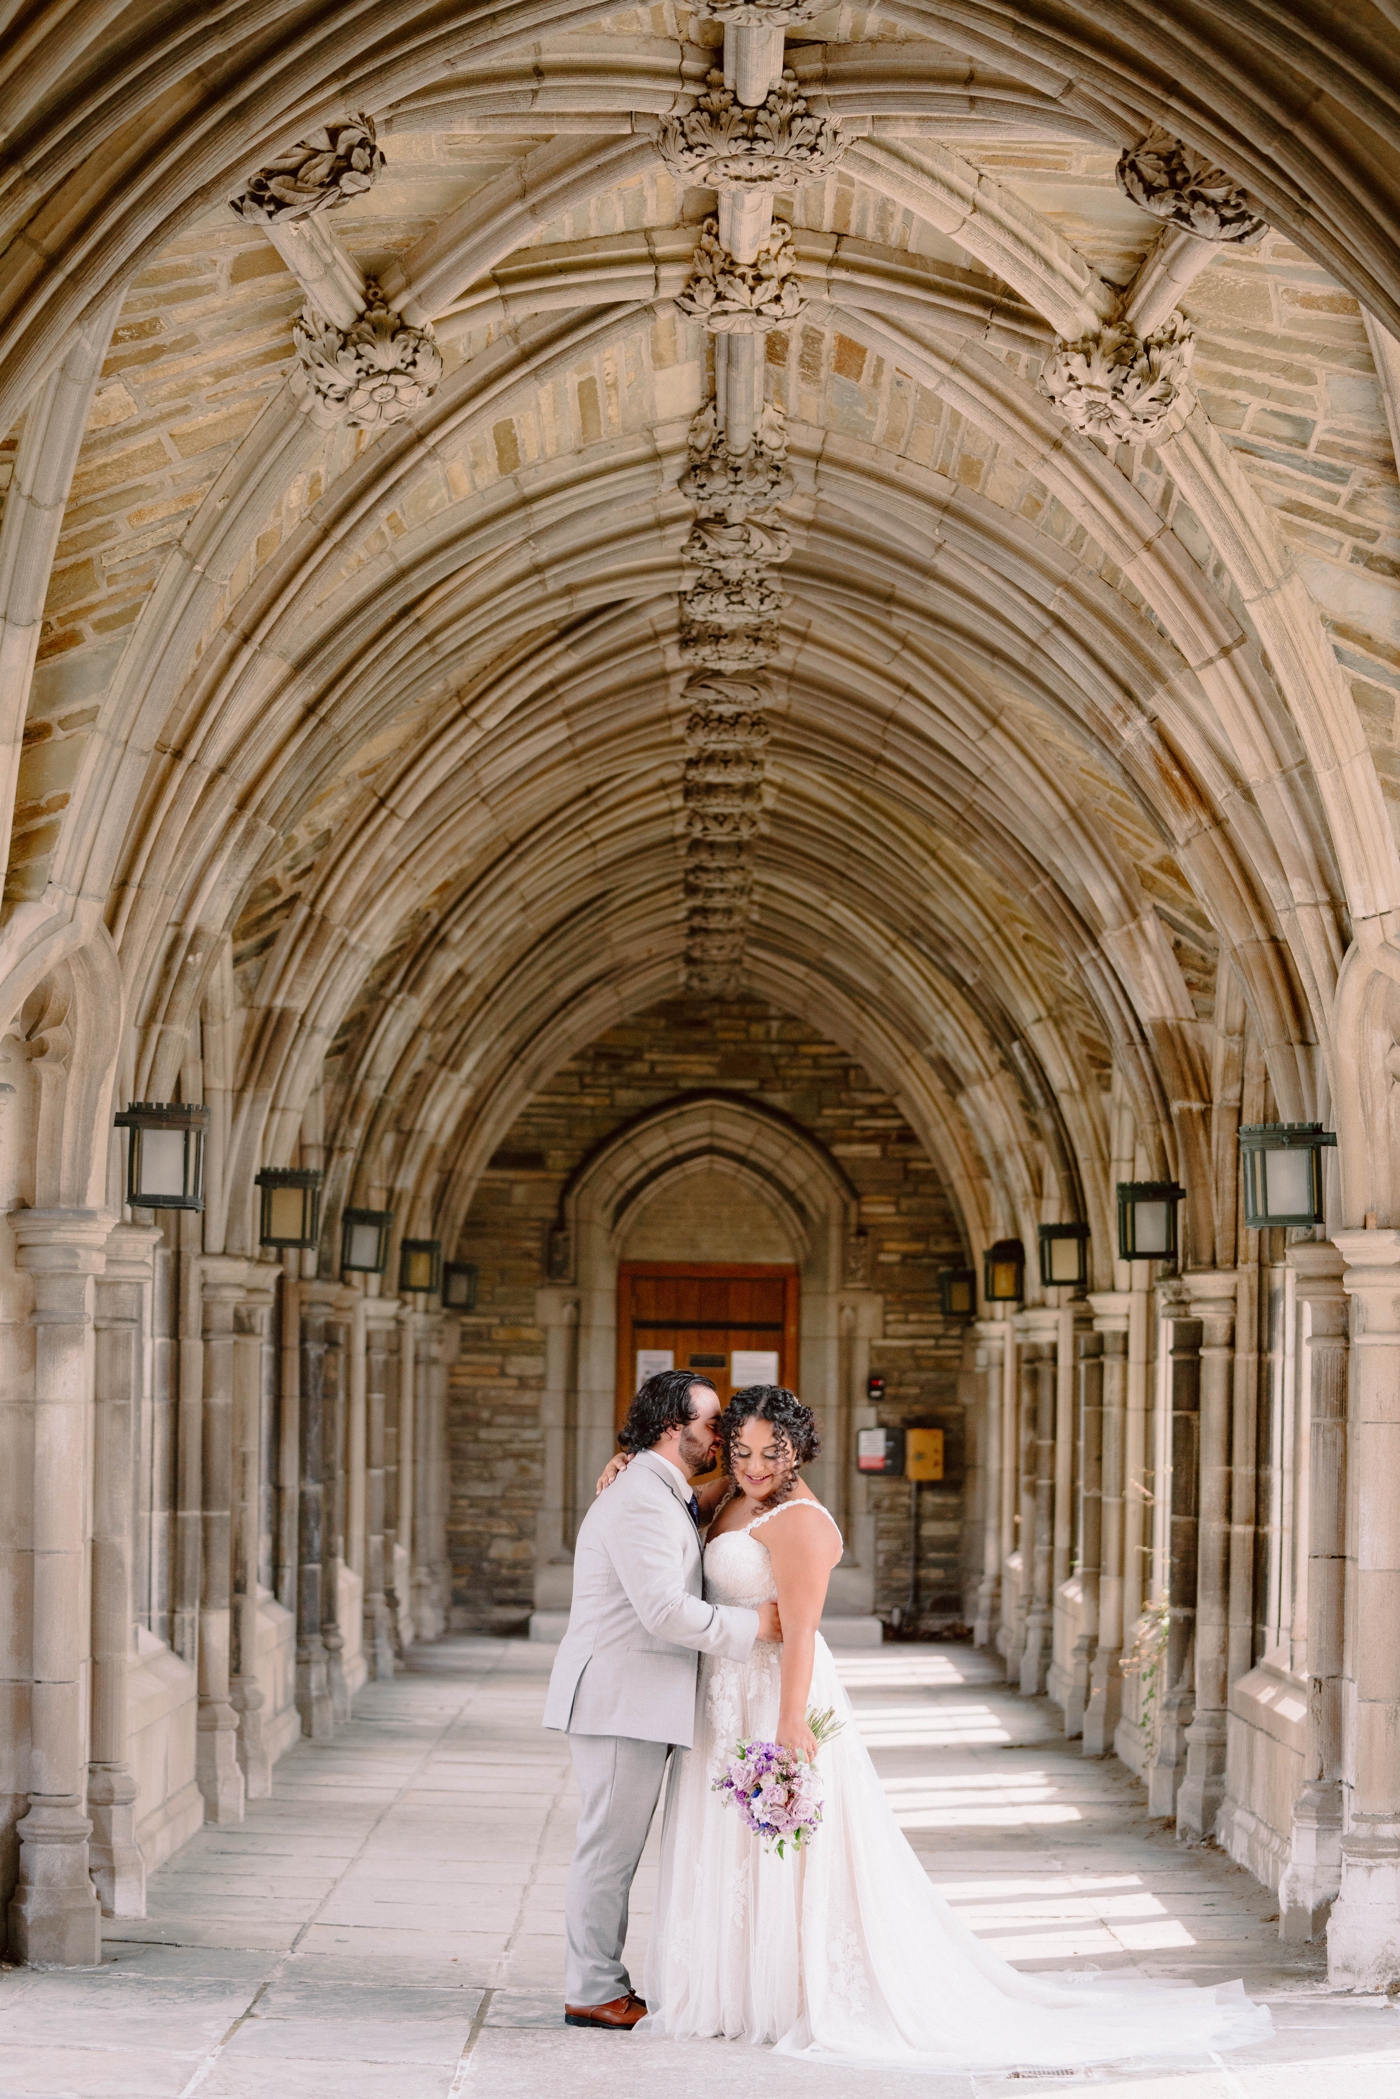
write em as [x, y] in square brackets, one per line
[701, 1314]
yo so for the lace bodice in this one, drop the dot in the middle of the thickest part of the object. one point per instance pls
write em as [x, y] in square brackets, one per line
[738, 1566]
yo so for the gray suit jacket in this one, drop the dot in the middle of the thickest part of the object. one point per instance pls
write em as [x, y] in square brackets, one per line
[626, 1664]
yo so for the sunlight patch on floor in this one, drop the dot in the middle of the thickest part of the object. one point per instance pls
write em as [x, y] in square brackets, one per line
[972, 1802]
[928, 1727]
[894, 1668]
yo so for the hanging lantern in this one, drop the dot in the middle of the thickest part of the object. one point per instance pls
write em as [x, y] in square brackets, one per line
[957, 1292]
[420, 1264]
[1004, 1272]
[1283, 1172]
[364, 1241]
[459, 1286]
[1064, 1256]
[165, 1154]
[1147, 1220]
[291, 1206]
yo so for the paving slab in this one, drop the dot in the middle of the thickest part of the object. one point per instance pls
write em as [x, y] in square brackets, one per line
[390, 1924]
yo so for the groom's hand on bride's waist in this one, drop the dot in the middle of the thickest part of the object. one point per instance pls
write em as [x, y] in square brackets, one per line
[770, 1625]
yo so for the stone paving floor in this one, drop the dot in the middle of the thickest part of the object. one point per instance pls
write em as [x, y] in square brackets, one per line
[389, 1927]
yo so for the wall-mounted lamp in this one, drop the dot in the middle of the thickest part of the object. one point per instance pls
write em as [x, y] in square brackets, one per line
[957, 1292]
[1283, 1172]
[420, 1264]
[459, 1286]
[290, 1211]
[1004, 1272]
[165, 1154]
[364, 1241]
[1064, 1256]
[1147, 1220]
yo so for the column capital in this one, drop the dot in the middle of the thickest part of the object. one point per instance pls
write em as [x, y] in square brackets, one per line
[1371, 1258]
[1318, 1269]
[1111, 1310]
[329, 1294]
[130, 1251]
[1038, 1323]
[381, 1311]
[62, 1241]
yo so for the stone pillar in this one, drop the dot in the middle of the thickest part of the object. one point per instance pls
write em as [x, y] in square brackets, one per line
[313, 1688]
[991, 1340]
[1038, 1391]
[1314, 1870]
[217, 1768]
[122, 1296]
[1178, 1671]
[246, 1694]
[54, 1918]
[1211, 1298]
[379, 1627]
[1088, 1363]
[429, 1616]
[1104, 1707]
[1363, 1932]
[402, 1480]
[355, 1437]
[331, 1303]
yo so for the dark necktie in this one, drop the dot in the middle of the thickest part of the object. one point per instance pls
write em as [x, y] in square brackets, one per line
[694, 1507]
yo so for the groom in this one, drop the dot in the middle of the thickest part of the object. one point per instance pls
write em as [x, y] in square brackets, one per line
[623, 1684]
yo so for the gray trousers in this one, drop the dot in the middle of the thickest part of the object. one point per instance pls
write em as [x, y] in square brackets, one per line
[619, 1782]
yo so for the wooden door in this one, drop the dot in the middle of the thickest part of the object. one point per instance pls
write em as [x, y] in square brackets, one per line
[702, 1315]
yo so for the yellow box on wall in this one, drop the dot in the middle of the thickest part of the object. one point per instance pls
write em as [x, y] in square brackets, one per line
[923, 1454]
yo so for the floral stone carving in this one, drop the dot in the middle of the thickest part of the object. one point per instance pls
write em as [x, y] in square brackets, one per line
[1176, 184]
[336, 163]
[378, 370]
[719, 601]
[722, 145]
[736, 550]
[734, 485]
[762, 14]
[729, 649]
[743, 298]
[1116, 386]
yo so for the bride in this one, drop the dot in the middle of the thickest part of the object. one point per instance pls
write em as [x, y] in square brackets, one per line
[844, 1952]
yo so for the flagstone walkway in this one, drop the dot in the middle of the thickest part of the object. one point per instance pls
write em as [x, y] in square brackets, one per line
[388, 1926]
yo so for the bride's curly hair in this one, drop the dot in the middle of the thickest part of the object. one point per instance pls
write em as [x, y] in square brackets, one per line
[792, 1423]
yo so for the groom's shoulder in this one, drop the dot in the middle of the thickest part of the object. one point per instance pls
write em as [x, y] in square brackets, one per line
[639, 1486]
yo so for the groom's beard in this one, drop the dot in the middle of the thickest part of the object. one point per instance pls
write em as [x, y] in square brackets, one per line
[696, 1453]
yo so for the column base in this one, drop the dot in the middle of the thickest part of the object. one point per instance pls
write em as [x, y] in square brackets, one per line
[1077, 1689]
[1035, 1655]
[1168, 1767]
[1313, 1874]
[379, 1640]
[1202, 1793]
[1104, 1708]
[247, 1698]
[114, 1856]
[54, 1918]
[984, 1616]
[333, 1640]
[313, 1691]
[1363, 1931]
[216, 1768]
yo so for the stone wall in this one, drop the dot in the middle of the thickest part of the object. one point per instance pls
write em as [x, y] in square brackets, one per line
[755, 1050]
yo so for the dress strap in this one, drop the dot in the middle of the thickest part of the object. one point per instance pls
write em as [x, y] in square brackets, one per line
[782, 1508]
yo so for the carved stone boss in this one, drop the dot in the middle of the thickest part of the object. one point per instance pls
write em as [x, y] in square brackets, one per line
[1178, 186]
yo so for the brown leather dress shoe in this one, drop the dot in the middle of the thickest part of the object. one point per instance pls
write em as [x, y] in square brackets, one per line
[618, 2017]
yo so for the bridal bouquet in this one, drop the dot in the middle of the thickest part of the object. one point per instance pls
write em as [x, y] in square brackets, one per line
[775, 1790]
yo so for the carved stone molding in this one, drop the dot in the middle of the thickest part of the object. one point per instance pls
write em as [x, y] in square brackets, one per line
[336, 163]
[738, 731]
[761, 14]
[736, 550]
[1116, 386]
[736, 485]
[379, 370]
[730, 649]
[722, 145]
[741, 601]
[1175, 183]
[726, 825]
[724, 768]
[743, 298]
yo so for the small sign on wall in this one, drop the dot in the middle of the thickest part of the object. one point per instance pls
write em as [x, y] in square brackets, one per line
[753, 1366]
[650, 1360]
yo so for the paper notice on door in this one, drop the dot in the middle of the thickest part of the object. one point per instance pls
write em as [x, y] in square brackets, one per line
[753, 1366]
[650, 1360]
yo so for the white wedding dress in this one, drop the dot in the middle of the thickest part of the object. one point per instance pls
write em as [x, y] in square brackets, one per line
[845, 1952]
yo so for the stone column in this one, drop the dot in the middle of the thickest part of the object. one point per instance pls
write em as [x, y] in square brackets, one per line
[1314, 1870]
[1088, 1363]
[355, 1437]
[54, 1918]
[1038, 1389]
[122, 1296]
[1363, 1932]
[991, 1340]
[1178, 1677]
[220, 1776]
[402, 1482]
[379, 1627]
[429, 1618]
[330, 1303]
[1105, 1696]
[246, 1694]
[313, 1688]
[1211, 1300]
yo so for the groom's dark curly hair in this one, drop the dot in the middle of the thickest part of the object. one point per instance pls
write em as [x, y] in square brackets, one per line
[662, 1402]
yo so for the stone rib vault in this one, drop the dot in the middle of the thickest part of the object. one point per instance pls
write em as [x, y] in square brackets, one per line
[745, 634]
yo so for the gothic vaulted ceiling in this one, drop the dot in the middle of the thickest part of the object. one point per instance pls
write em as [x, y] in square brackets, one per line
[891, 510]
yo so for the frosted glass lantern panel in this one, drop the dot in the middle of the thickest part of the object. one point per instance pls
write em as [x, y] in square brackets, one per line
[162, 1163]
[285, 1210]
[1064, 1260]
[1152, 1229]
[364, 1246]
[1288, 1183]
